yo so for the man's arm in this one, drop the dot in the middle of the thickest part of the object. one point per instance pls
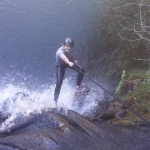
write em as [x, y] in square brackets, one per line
[66, 60]
[73, 59]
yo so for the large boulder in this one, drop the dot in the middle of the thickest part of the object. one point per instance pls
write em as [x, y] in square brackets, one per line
[9, 104]
[108, 110]
[67, 130]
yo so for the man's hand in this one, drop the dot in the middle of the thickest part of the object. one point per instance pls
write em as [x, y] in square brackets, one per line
[71, 64]
[75, 61]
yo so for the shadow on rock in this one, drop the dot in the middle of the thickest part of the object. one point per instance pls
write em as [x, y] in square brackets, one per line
[67, 130]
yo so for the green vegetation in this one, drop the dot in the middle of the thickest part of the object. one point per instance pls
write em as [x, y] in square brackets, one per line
[121, 81]
[127, 48]
[141, 93]
[138, 74]
[124, 29]
[142, 78]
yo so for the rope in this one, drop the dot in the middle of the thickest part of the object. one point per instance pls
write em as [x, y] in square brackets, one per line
[120, 101]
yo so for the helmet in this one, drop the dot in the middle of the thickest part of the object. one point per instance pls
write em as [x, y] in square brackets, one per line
[69, 42]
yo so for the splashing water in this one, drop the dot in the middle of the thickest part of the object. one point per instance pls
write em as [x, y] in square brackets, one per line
[18, 105]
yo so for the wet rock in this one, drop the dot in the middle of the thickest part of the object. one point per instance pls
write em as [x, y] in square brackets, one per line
[4, 115]
[130, 101]
[55, 130]
[22, 96]
[109, 110]
[107, 116]
[130, 86]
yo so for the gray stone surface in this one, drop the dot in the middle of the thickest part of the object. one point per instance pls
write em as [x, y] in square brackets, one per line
[67, 130]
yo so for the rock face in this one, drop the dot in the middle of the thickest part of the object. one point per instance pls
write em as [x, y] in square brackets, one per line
[109, 110]
[12, 100]
[67, 130]
[130, 86]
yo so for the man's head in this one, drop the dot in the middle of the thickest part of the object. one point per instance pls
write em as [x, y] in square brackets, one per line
[68, 44]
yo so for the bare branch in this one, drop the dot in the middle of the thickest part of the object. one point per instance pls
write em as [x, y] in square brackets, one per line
[102, 1]
[126, 38]
[142, 59]
[139, 28]
[69, 2]
[126, 5]
[125, 28]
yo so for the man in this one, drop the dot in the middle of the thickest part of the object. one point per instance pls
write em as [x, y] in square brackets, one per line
[65, 59]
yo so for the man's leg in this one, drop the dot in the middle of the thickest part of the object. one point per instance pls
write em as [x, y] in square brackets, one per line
[80, 71]
[59, 80]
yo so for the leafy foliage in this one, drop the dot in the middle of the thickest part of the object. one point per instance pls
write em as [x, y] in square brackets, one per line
[143, 77]
[121, 81]
[138, 74]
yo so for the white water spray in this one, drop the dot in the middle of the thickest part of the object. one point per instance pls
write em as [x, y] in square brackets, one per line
[39, 100]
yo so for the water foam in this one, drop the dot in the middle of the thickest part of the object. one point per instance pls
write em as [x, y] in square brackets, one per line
[41, 99]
